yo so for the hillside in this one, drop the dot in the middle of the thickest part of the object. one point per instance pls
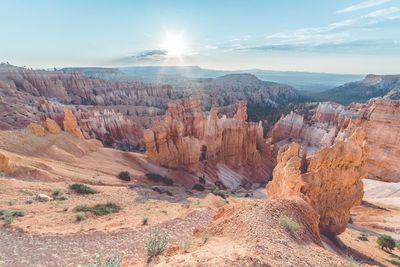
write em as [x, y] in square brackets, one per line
[361, 91]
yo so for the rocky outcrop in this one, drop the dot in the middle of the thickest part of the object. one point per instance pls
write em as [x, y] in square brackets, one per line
[36, 129]
[381, 121]
[70, 124]
[51, 126]
[294, 128]
[5, 164]
[187, 137]
[330, 113]
[330, 180]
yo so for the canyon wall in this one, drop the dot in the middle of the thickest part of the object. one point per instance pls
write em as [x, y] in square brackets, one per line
[381, 121]
[116, 112]
[379, 118]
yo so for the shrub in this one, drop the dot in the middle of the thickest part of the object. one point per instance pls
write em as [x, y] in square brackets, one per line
[205, 237]
[82, 208]
[202, 180]
[80, 216]
[198, 187]
[218, 192]
[8, 219]
[124, 175]
[363, 237]
[110, 262]
[289, 224]
[8, 216]
[157, 242]
[99, 209]
[386, 242]
[103, 209]
[145, 221]
[57, 192]
[185, 245]
[158, 178]
[82, 189]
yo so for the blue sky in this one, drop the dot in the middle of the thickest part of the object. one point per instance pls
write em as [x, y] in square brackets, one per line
[342, 36]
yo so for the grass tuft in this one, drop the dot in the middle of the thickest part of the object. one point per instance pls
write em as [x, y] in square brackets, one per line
[289, 224]
[82, 189]
[156, 243]
[99, 209]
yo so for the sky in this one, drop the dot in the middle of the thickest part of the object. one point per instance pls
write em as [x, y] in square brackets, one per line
[341, 36]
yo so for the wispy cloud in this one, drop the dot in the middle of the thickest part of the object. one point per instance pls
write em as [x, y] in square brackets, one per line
[338, 47]
[143, 56]
[341, 36]
[386, 12]
[363, 5]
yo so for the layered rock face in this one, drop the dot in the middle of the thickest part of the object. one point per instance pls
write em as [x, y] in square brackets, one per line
[381, 121]
[330, 180]
[74, 88]
[187, 137]
[379, 118]
[117, 112]
[294, 128]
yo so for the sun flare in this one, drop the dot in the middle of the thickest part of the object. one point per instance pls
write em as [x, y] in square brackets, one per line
[175, 44]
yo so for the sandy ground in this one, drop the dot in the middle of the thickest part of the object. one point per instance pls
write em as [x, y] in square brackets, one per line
[378, 214]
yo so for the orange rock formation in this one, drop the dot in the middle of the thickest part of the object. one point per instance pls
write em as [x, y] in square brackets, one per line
[330, 180]
[187, 136]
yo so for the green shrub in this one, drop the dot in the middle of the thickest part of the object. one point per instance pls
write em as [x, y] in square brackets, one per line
[185, 245]
[218, 192]
[289, 224]
[99, 209]
[145, 221]
[104, 209]
[386, 242]
[205, 237]
[80, 216]
[82, 208]
[8, 216]
[82, 189]
[124, 175]
[110, 262]
[57, 192]
[156, 243]
[363, 237]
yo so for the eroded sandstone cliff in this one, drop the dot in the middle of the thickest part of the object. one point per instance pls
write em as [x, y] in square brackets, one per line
[330, 180]
[190, 139]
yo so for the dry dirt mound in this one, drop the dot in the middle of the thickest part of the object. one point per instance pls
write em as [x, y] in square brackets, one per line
[64, 157]
[252, 233]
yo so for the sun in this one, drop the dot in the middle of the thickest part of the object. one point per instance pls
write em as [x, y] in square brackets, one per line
[175, 44]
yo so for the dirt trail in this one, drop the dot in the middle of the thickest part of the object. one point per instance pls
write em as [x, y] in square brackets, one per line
[20, 249]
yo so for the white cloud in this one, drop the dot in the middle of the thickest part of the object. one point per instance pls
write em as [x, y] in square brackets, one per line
[363, 5]
[385, 12]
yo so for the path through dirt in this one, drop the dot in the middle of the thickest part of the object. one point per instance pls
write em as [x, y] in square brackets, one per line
[21, 249]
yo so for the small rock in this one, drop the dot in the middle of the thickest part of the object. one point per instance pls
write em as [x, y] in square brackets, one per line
[43, 198]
